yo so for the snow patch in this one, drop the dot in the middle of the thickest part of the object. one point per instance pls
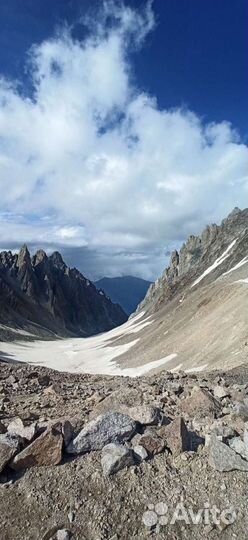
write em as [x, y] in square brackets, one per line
[196, 369]
[218, 261]
[94, 355]
[238, 265]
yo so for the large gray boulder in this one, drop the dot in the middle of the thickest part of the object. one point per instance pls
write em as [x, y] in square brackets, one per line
[223, 458]
[105, 429]
[239, 447]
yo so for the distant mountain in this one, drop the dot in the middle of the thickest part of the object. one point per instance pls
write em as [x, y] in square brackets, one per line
[43, 295]
[128, 291]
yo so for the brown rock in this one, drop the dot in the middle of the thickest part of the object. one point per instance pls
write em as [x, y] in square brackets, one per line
[118, 402]
[66, 426]
[46, 450]
[200, 404]
[176, 436]
[152, 443]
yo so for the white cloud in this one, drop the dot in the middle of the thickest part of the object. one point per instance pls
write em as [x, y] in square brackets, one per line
[97, 158]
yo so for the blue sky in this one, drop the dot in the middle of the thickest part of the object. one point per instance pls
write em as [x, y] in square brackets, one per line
[168, 78]
[196, 57]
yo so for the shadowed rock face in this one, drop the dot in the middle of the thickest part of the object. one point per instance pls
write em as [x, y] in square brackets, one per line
[43, 290]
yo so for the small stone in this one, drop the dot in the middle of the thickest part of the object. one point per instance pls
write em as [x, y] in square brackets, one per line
[71, 516]
[106, 428]
[44, 380]
[221, 392]
[11, 379]
[115, 457]
[8, 447]
[222, 458]
[140, 452]
[45, 450]
[63, 534]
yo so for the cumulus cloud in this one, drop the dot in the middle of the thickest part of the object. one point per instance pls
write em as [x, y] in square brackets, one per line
[90, 161]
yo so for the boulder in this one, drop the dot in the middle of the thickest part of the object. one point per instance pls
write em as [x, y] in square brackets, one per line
[118, 402]
[115, 457]
[144, 414]
[221, 392]
[239, 447]
[241, 409]
[45, 450]
[222, 458]
[9, 446]
[17, 428]
[200, 404]
[106, 428]
[65, 425]
[176, 436]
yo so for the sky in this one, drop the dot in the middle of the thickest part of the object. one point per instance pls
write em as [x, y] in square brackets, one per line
[123, 127]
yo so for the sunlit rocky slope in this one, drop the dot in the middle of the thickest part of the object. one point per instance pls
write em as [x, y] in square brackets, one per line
[198, 310]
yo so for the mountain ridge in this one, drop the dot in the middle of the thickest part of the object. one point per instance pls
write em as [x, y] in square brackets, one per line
[43, 294]
[197, 253]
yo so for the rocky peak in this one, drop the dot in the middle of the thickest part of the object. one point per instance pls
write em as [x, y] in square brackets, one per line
[39, 257]
[235, 212]
[56, 260]
[23, 257]
[58, 298]
[7, 259]
[200, 252]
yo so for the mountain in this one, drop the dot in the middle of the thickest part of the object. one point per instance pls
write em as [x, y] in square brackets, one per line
[43, 295]
[128, 291]
[195, 316]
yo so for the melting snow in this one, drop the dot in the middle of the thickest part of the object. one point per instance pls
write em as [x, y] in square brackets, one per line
[218, 261]
[95, 354]
[240, 263]
[196, 369]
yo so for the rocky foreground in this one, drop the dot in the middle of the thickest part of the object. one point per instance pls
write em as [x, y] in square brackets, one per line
[92, 457]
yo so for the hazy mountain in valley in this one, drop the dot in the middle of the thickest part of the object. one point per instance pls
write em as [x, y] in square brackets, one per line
[128, 291]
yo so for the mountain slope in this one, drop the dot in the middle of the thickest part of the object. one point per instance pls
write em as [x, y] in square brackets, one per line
[195, 317]
[43, 296]
[128, 291]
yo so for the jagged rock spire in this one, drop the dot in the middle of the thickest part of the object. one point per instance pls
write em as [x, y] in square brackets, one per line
[23, 256]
